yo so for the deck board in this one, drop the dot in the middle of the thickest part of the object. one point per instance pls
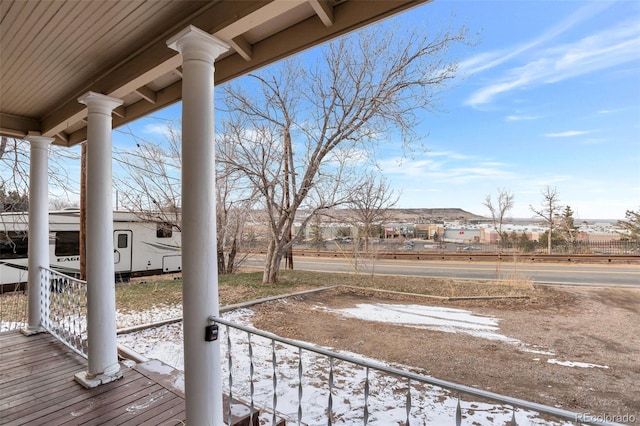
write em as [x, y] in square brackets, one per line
[91, 403]
[37, 387]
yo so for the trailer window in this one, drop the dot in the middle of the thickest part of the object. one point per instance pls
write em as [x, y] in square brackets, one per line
[164, 230]
[123, 241]
[67, 243]
[14, 245]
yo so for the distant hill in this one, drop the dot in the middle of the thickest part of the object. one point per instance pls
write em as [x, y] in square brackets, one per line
[415, 215]
[433, 214]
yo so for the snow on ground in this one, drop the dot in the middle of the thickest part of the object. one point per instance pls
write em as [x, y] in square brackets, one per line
[427, 317]
[576, 364]
[11, 325]
[388, 395]
[155, 314]
[448, 320]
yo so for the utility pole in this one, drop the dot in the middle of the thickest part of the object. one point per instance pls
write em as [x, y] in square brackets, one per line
[287, 195]
[83, 211]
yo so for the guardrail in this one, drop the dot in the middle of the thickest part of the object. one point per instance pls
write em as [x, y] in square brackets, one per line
[474, 255]
[315, 384]
[64, 309]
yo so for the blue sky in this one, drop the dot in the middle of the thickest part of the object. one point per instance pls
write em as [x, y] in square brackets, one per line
[550, 95]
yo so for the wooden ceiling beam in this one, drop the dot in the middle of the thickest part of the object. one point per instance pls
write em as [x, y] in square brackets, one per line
[147, 94]
[147, 64]
[120, 111]
[157, 60]
[17, 127]
[242, 47]
[324, 11]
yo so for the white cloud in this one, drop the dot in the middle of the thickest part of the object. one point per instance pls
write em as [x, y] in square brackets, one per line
[167, 129]
[449, 154]
[417, 169]
[552, 180]
[488, 60]
[450, 170]
[349, 156]
[568, 134]
[156, 129]
[465, 175]
[594, 141]
[515, 117]
[602, 50]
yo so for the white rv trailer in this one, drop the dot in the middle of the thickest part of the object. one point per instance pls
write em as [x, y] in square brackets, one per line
[141, 247]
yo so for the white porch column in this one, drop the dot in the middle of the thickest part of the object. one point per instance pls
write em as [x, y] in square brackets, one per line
[101, 297]
[203, 376]
[38, 225]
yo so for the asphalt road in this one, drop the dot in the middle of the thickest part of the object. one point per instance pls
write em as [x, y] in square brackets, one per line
[550, 273]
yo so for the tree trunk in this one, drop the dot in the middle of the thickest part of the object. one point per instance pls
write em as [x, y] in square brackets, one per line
[266, 274]
[232, 256]
[272, 262]
[366, 237]
[221, 265]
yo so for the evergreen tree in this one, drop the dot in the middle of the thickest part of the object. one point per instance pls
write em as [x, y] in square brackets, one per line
[526, 244]
[631, 225]
[567, 225]
[13, 201]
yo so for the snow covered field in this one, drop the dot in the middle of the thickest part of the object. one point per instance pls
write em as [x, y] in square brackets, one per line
[389, 396]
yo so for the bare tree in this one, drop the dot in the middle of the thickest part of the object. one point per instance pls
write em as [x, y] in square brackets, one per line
[147, 177]
[548, 211]
[300, 131]
[370, 203]
[62, 203]
[148, 183]
[14, 178]
[14, 171]
[258, 156]
[234, 205]
[230, 219]
[504, 200]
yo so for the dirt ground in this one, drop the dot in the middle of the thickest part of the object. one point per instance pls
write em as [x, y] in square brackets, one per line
[598, 326]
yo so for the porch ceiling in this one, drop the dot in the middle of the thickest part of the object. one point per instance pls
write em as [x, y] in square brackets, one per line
[52, 52]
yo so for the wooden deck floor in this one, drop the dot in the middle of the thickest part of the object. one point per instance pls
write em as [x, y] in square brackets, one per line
[37, 387]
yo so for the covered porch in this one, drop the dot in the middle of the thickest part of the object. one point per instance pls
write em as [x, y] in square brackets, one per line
[72, 71]
[38, 389]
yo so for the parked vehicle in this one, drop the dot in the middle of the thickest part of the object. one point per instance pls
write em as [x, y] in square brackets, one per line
[141, 247]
